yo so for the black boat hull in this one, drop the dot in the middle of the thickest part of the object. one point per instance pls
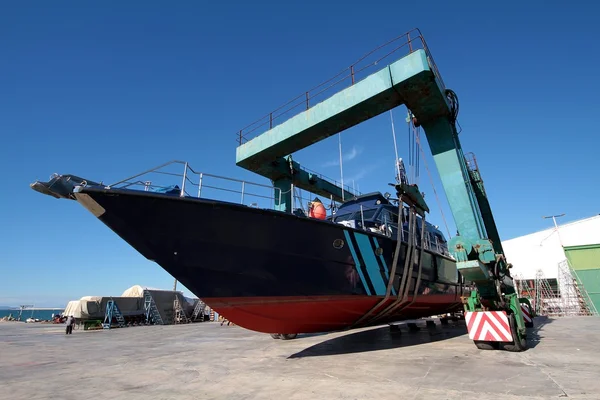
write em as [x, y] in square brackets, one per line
[271, 271]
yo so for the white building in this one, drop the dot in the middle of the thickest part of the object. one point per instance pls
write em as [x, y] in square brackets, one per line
[543, 249]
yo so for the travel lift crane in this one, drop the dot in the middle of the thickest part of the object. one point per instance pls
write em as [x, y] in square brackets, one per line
[493, 310]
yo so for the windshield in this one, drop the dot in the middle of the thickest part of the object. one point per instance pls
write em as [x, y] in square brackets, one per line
[366, 214]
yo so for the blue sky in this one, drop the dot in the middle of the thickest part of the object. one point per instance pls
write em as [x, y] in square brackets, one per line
[107, 90]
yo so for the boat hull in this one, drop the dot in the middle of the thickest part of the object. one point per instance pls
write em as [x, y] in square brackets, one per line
[322, 314]
[270, 271]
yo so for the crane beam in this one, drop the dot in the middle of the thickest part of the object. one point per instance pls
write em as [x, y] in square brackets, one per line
[409, 80]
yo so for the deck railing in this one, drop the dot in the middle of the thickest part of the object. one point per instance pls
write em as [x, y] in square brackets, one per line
[388, 52]
[180, 178]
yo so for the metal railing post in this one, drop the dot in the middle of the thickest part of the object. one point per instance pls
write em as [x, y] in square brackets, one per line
[200, 184]
[385, 225]
[279, 197]
[270, 120]
[292, 190]
[243, 187]
[362, 217]
[307, 106]
[183, 182]
[352, 73]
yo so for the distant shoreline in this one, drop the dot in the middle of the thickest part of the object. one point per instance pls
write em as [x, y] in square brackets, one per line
[31, 308]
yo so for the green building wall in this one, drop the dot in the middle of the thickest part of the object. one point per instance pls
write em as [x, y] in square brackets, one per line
[585, 261]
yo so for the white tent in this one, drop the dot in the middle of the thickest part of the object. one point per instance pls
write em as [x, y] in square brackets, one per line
[138, 291]
[85, 308]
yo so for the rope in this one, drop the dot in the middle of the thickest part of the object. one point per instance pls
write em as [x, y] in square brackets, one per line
[414, 159]
[395, 145]
[411, 142]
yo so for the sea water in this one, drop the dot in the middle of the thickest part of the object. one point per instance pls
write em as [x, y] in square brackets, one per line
[43, 315]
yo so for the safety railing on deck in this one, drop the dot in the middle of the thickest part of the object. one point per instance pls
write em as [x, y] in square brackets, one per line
[334, 182]
[367, 64]
[178, 178]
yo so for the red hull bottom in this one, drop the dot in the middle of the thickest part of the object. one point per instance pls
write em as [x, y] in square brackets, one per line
[322, 313]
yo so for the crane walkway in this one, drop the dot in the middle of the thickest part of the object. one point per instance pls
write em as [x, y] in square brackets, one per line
[412, 80]
[409, 80]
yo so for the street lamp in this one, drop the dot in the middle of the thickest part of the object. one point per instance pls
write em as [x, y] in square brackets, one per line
[555, 225]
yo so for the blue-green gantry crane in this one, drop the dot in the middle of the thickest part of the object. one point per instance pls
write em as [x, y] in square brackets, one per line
[412, 80]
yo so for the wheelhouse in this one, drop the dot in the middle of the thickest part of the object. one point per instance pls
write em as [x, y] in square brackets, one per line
[379, 214]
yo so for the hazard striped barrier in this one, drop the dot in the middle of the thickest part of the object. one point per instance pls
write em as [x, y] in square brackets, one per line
[526, 315]
[525, 310]
[489, 326]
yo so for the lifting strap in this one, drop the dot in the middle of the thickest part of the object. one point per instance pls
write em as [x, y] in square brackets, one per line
[407, 275]
[407, 271]
[394, 265]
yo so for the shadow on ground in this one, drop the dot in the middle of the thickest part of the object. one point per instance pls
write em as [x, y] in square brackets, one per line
[533, 334]
[382, 338]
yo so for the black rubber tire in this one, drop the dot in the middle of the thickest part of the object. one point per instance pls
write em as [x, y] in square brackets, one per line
[275, 336]
[481, 345]
[518, 344]
[288, 336]
[529, 324]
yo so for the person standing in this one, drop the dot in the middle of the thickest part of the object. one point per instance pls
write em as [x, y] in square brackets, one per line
[70, 323]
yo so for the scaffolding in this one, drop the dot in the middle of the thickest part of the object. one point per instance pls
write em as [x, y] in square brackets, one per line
[113, 311]
[524, 288]
[547, 300]
[575, 299]
[556, 297]
[150, 310]
[180, 316]
[199, 310]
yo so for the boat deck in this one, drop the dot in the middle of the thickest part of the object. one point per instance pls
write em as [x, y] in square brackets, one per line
[209, 361]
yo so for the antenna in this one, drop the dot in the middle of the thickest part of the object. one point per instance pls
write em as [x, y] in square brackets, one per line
[555, 225]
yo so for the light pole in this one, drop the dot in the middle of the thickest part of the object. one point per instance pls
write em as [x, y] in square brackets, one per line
[555, 225]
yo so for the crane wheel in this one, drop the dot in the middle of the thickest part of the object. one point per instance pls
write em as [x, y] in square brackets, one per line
[275, 336]
[520, 341]
[288, 336]
[481, 345]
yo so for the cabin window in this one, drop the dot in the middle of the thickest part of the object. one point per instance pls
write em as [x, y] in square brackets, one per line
[389, 217]
[366, 214]
[440, 238]
[343, 217]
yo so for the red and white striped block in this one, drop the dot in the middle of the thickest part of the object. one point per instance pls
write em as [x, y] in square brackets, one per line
[526, 312]
[489, 326]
